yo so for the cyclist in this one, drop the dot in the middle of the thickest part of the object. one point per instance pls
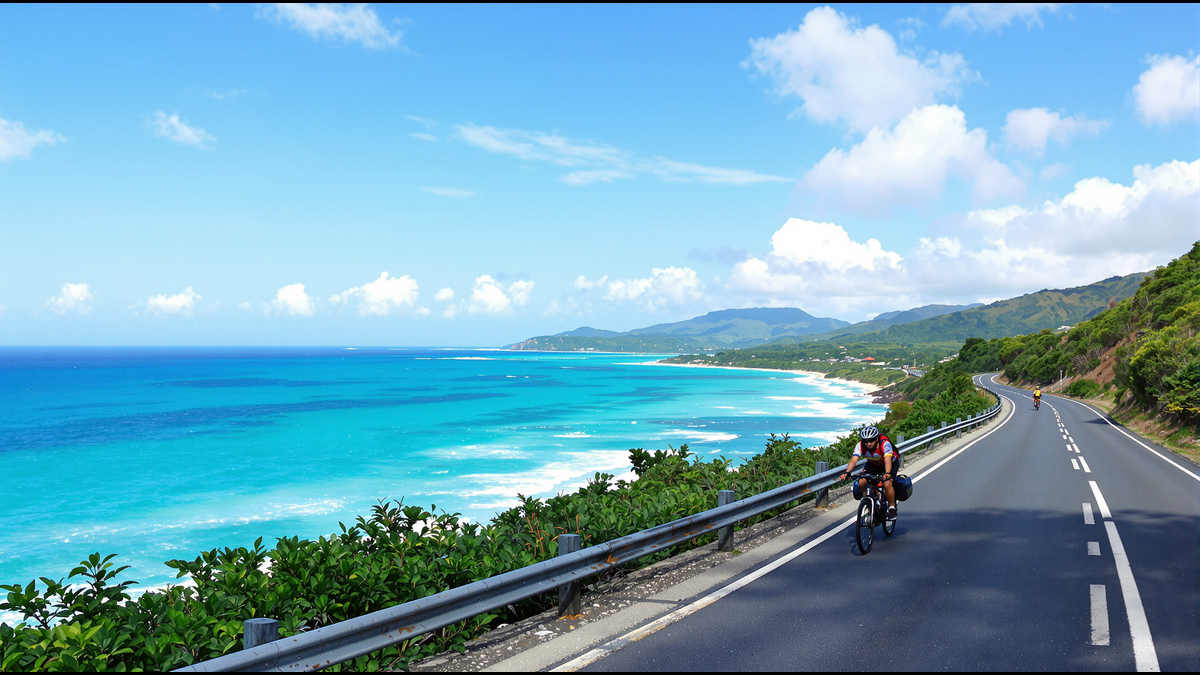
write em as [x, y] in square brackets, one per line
[1037, 398]
[883, 459]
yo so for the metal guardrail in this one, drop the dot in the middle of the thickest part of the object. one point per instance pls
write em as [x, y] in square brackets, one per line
[346, 640]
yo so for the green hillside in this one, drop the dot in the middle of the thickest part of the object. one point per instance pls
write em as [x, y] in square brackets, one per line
[1141, 357]
[1029, 313]
[889, 319]
[716, 330]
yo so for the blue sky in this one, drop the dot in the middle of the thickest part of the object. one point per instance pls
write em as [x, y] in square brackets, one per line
[245, 175]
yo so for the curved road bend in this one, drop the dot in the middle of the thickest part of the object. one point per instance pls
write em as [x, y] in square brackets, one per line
[1006, 558]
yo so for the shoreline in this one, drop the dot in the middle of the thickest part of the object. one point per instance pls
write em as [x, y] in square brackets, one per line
[867, 387]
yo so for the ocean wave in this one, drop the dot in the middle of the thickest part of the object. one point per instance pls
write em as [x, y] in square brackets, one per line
[702, 436]
[573, 434]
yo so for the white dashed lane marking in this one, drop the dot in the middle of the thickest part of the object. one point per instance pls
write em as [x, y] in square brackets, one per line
[1104, 512]
[1099, 615]
[1074, 464]
[1088, 518]
[1093, 548]
[1083, 463]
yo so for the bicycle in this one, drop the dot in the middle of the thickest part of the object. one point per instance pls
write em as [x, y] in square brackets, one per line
[872, 511]
[1037, 404]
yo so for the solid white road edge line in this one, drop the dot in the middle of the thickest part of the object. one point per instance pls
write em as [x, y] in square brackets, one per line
[1144, 654]
[1099, 615]
[1083, 463]
[594, 655]
[1161, 456]
[1088, 518]
[1104, 512]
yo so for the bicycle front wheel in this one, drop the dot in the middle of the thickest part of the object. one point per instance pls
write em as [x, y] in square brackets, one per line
[864, 531]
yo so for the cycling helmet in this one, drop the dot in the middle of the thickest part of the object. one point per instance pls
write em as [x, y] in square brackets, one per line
[868, 433]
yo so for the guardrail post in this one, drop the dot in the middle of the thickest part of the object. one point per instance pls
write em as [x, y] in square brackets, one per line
[958, 434]
[570, 595]
[823, 493]
[725, 534]
[256, 632]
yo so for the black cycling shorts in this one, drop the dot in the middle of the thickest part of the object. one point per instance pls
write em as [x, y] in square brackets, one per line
[873, 469]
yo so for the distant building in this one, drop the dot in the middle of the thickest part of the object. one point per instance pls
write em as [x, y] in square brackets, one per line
[869, 358]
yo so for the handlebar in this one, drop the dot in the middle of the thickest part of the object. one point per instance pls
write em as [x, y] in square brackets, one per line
[878, 480]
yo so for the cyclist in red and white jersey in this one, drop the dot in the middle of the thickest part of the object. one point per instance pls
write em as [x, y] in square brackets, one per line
[883, 459]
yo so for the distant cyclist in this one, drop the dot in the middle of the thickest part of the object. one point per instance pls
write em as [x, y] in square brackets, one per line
[883, 459]
[1037, 398]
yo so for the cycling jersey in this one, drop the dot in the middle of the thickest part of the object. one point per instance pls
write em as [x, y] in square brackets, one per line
[883, 447]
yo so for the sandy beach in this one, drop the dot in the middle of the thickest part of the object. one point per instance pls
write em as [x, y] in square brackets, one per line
[865, 387]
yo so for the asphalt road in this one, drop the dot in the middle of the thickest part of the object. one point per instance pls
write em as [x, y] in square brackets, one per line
[1005, 558]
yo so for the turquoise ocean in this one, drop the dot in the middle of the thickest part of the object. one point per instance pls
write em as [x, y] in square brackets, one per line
[159, 453]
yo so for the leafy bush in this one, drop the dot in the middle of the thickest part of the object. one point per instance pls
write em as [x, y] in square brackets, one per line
[1083, 388]
[399, 553]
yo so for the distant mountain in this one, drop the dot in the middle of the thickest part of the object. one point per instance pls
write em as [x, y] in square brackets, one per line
[925, 312]
[745, 327]
[587, 331]
[716, 330]
[1029, 313]
[889, 319]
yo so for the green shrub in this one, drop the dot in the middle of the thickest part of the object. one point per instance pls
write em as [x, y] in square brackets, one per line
[1082, 388]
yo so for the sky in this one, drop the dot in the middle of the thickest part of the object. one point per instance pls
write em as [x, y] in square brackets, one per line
[473, 176]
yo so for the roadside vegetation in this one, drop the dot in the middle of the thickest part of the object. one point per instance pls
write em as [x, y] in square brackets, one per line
[92, 620]
[844, 360]
[1140, 358]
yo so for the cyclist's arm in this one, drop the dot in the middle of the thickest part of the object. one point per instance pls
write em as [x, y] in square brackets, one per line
[853, 461]
[887, 464]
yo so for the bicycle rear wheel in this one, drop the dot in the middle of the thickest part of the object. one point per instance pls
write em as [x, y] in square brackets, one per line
[864, 529]
[889, 526]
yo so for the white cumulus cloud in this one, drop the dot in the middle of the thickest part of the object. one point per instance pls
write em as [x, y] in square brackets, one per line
[381, 296]
[664, 287]
[18, 142]
[489, 296]
[175, 129]
[1031, 128]
[991, 16]
[180, 303]
[292, 299]
[911, 164]
[804, 241]
[1169, 91]
[812, 262]
[349, 22]
[444, 295]
[584, 284]
[72, 299]
[854, 75]
[1099, 229]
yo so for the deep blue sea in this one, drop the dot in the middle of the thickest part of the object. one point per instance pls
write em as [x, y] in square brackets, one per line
[158, 453]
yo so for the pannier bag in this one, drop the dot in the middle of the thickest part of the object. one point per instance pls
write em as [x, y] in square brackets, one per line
[903, 486]
[855, 489]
